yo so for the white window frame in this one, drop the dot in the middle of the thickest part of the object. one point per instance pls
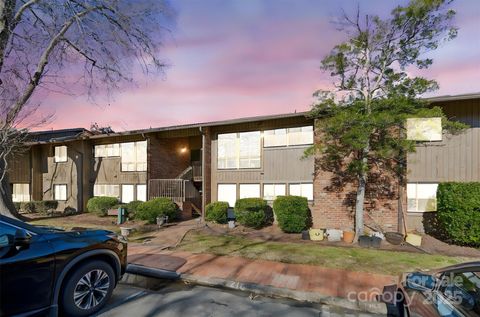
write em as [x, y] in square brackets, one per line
[20, 192]
[302, 193]
[231, 201]
[239, 157]
[60, 157]
[123, 198]
[276, 190]
[413, 190]
[107, 150]
[306, 142]
[275, 138]
[142, 190]
[250, 186]
[57, 195]
[137, 160]
[289, 139]
[106, 190]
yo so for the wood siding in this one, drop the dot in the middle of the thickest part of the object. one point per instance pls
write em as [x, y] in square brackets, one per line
[457, 157]
[466, 111]
[19, 168]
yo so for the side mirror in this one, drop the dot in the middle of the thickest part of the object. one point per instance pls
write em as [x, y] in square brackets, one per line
[421, 282]
[21, 238]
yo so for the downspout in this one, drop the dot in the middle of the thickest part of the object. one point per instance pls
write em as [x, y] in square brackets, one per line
[204, 198]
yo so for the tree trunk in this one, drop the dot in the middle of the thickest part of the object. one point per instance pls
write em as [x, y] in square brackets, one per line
[359, 204]
[6, 205]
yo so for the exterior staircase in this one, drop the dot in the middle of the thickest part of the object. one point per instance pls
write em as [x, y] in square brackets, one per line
[180, 190]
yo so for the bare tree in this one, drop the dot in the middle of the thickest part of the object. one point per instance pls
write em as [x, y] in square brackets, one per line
[97, 41]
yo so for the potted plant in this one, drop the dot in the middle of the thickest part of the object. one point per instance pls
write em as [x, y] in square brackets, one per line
[348, 236]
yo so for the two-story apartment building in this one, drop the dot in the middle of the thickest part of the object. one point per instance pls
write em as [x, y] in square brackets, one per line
[227, 160]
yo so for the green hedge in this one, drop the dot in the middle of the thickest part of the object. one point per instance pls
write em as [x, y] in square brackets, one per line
[458, 210]
[41, 206]
[101, 205]
[292, 213]
[217, 212]
[252, 212]
[154, 208]
[132, 208]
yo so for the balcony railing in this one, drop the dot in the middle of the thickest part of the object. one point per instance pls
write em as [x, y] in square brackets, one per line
[197, 171]
[178, 190]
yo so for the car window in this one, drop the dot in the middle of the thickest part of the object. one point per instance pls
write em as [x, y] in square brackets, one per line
[462, 290]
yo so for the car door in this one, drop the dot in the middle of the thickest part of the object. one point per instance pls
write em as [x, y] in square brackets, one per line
[459, 294]
[26, 272]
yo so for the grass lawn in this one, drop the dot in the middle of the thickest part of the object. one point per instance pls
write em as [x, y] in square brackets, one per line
[353, 259]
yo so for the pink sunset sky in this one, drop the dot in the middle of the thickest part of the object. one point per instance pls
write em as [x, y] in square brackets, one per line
[230, 59]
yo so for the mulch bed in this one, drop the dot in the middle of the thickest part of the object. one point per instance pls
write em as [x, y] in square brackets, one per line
[273, 233]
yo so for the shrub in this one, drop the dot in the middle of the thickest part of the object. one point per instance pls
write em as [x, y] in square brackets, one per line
[44, 206]
[29, 207]
[157, 207]
[252, 212]
[217, 212]
[18, 206]
[101, 205]
[458, 206]
[292, 213]
[132, 207]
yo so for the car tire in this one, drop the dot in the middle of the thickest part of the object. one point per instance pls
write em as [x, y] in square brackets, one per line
[88, 289]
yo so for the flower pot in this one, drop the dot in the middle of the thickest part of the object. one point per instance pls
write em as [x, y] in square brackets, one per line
[394, 238]
[348, 236]
[125, 231]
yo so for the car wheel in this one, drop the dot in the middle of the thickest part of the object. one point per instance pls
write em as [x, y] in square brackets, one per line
[87, 290]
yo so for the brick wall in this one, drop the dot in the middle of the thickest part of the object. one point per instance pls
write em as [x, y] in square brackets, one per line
[334, 207]
[208, 165]
[334, 200]
[166, 158]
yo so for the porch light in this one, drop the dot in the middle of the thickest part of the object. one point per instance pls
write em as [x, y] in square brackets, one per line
[183, 149]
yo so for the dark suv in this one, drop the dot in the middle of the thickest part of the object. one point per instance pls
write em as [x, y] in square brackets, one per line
[49, 271]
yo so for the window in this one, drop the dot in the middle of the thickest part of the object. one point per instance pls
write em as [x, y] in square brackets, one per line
[271, 191]
[277, 137]
[300, 136]
[424, 129]
[134, 156]
[108, 190]
[250, 149]
[227, 151]
[422, 197]
[290, 136]
[60, 154]
[21, 192]
[239, 150]
[460, 290]
[107, 150]
[304, 190]
[60, 192]
[228, 193]
[128, 193]
[249, 191]
[142, 192]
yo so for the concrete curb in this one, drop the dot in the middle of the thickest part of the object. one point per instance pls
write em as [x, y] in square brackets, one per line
[152, 272]
[369, 307]
[139, 274]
